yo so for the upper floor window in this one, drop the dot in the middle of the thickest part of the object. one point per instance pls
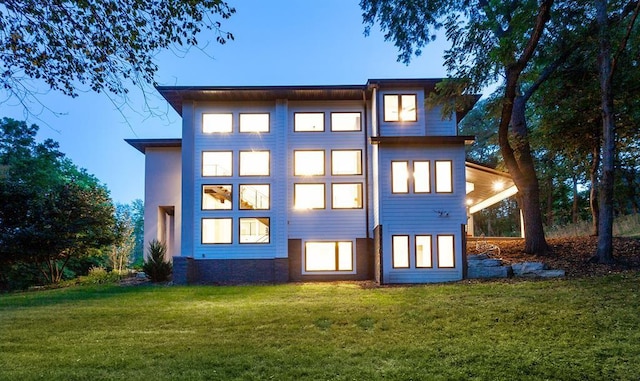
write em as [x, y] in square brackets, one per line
[444, 176]
[399, 177]
[346, 162]
[421, 177]
[400, 108]
[308, 196]
[217, 230]
[217, 123]
[308, 163]
[216, 197]
[254, 196]
[346, 196]
[254, 163]
[254, 122]
[254, 230]
[217, 163]
[345, 121]
[308, 121]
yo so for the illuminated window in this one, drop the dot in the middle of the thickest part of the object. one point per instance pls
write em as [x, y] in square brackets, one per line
[400, 108]
[421, 177]
[346, 196]
[254, 122]
[423, 251]
[217, 230]
[217, 163]
[444, 176]
[254, 163]
[446, 252]
[217, 123]
[345, 162]
[400, 251]
[308, 196]
[308, 121]
[345, 121]
[216, 197]
[254, 196]
[308, 163]
[400, 177]
[254, 230]
[328, 256]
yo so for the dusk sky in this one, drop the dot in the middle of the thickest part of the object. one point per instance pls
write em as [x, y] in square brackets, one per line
[277, 42]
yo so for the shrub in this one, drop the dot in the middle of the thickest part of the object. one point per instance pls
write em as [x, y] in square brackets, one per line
[157, 268]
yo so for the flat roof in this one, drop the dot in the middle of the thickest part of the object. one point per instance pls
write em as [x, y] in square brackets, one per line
[142, 144]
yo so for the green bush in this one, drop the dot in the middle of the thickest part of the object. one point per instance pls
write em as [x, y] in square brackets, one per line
[157, 268]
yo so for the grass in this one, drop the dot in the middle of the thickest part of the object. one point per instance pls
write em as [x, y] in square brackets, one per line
[583, 329]
[623, 226]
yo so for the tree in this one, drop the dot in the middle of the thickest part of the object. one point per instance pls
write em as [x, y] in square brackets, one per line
[101, 45]
[125, 240]
[489, 40]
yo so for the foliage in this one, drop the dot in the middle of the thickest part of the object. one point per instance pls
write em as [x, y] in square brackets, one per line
[121, 250]
[156, 266]
[575, 329]
[102, 45]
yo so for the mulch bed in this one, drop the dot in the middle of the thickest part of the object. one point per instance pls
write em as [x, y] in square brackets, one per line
[572, 255]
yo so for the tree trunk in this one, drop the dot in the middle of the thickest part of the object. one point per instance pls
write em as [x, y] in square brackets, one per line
[604, 252]
[574, 205]
[593, 192]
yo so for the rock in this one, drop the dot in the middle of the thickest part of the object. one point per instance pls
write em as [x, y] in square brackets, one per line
[485, 262]
[477, 257]
[551, 273]
[141, 275]
[475, 272]
[527, 267]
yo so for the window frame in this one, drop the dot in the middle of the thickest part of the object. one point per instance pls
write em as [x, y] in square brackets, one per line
[336, 261]
[295, 123]
[216, 132]
[324, 198]
[415, 245]
[215, 151]
[437, 182]
[399, 96]
[268, 130]
[202, 208]
[393, 191]
[346, 150]
[253, 185]
[253, 243]
[453, 249]
[428, 177]
[346, 112]
[202, 223]
[253, 151]
[393, 251]
[347, 183]
[324, 162]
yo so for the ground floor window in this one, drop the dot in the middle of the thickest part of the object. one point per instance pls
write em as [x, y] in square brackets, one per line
[446, 251]
[417, 251]
[400, 251]
[423, 251]
[328, 256]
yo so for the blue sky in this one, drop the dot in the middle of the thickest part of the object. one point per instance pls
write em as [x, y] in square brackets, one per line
[277, 42]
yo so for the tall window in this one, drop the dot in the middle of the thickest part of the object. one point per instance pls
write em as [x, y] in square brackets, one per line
[400, 108]
[254, 163]
[216, 197]
[254, 122]
[217, 163]
[400, 251]
[421, 177]
[400, 177]
[254, 230]
[308, 121]
[345, 121]
[308, 196]
[217, 123]
[446, 251]
[423, 251]
[444, 176]
[254, 196]
[346, 162]
[308, 163]
[346, 196]
[328, 256]
[217, 230]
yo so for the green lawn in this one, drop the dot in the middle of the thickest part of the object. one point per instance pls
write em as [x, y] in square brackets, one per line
[582, 329]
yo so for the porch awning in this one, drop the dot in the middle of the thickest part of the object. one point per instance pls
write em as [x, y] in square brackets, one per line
[487, 186]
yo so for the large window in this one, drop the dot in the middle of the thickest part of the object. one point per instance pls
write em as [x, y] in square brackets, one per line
[346, 162]
[400, 108]
[328, 256]
[346, 196]
[217, 123]
[216, 197]
[217, 230]
[254, 163]
[446, 251]
[308, 196]
[400, 251]
[254, 122]
[444, 176]
[345, 121]
[254, 230]
[400, 177]
[308, 121]
[423, 251]
[217, 163]
[254, 196]
[421, 177]
[308, 163]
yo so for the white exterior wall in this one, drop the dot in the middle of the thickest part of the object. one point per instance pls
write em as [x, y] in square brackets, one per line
[163, 189]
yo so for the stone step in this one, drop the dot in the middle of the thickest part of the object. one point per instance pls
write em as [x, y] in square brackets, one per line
[481, 272]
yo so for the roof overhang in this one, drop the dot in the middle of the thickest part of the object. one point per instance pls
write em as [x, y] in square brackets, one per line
[420, 140]
[142, 144]
[487, 186]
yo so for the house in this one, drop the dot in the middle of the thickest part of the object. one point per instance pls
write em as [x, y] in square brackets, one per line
[295, 183]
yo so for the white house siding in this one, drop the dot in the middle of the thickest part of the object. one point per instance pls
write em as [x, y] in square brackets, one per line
[162, 189]
[411, 214]
[236, 142]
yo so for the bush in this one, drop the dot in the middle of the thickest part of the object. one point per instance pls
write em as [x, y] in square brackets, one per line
[157, 268]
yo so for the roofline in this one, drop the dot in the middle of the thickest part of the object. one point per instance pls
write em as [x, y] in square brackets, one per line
[142, 144]
[421, 140]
